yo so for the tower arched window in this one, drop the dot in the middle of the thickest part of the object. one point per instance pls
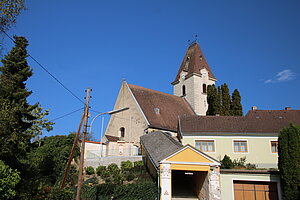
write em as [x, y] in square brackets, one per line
[183, 90]
[204, 88]
[122, 132]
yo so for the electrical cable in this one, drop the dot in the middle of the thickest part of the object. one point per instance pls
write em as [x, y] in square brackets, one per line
[74, 95]
[66, 114]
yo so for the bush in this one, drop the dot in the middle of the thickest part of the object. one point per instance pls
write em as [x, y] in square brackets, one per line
[8, 180]
[113, 167]
[226, 163]
[91, 181]
[65, 194]
[100, 169]
[138, 163]
[239, 163]
[126, 165]
[89, 170]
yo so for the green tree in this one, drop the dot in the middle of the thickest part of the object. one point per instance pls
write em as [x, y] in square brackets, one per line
[19, 121]
[8, 180]
[219, 101]
[236, 108]
[227, 163]
[212, 100]
[289, 161]
[225, 100]
[9, 10]
[13, 103]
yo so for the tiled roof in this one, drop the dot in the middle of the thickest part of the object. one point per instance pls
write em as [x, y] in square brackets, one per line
[161, 109]
[195, 64]
[158, 145]
[256, 121]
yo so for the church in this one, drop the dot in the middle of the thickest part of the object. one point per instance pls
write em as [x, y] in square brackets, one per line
[151, 110]
[182, 147]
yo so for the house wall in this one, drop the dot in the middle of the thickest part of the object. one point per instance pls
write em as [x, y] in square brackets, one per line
[194, 91]
[259, 149]
[227, 190]
[132, 120]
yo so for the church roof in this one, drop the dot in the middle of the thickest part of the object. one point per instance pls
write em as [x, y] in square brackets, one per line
[161, 109]
[255, 122]
[193, 62]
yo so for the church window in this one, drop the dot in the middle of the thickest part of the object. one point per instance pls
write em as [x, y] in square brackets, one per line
[200, 57]
[204, 88]
[122, 132]
[183, 90]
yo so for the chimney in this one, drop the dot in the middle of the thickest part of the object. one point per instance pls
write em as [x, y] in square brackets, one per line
[288, 108]
[254, 108]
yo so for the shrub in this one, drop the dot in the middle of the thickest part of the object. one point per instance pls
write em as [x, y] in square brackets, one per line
[239, 162]
[226, 163]
[138, 163]
[100, 169]
[89, 170]
[126, 165]
[91, 181]
[65, 194]
[113, 167]
[8, 180]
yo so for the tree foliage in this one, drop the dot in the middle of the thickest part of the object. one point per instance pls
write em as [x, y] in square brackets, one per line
[9, 10]
[236, 106]
[225, 100]
[211, 100]
[16, 114]
[289, 161]
[221, 103]
[19, 121]
[8, 180]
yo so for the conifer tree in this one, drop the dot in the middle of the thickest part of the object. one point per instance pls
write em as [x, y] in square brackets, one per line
[289, 161]
[236, 106]
[211, 100]
[16, 115]
[225, 100]
[219, 101]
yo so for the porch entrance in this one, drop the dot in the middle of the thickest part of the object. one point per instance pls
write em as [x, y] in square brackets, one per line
[189, 185]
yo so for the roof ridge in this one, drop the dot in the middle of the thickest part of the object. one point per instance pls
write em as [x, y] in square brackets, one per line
[171, 138]
[151, 90]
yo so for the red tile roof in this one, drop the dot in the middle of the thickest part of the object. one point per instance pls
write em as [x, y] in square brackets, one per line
[195, 63]
[161, 109]
[256, 121]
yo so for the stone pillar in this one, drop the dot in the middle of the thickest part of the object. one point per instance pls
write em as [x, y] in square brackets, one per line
[214, 184]
[165, 182]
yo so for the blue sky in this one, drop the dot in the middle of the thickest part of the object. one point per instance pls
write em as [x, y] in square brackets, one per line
[253, 46]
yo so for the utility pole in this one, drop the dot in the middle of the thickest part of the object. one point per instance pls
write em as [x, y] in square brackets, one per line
[62, 185]
[86, 113]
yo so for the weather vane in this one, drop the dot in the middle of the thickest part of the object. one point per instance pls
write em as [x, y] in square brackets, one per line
[193, 41]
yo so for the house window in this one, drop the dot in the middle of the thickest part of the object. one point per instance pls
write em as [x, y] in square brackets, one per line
[274, 146]
[205, 145]
[183, 90]
[240, 146]
[122, 132]
[204, 88]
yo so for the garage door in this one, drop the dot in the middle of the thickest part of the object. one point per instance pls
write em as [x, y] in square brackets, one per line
[250, 190]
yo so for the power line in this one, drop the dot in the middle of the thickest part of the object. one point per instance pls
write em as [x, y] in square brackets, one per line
[74, 95]
[66, 114]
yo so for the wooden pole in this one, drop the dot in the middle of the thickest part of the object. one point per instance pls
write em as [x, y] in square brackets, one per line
[80, 176]
[62, 185]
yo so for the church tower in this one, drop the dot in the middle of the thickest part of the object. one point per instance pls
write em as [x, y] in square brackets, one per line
[192, 79]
